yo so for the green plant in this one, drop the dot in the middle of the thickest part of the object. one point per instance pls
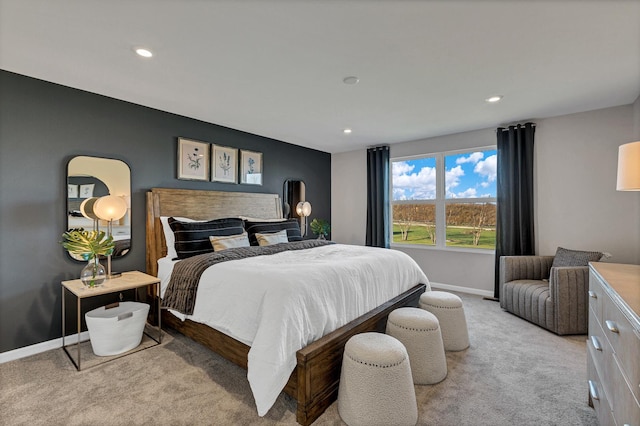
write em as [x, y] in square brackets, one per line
[320, 227]
[87, 244]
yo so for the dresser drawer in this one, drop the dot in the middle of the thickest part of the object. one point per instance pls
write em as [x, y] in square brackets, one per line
[626, 410]
[601, 352]
[596, 294]
[624, 342]
[597, 395]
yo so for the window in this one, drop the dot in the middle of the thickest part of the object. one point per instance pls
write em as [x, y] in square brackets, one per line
[445, 199]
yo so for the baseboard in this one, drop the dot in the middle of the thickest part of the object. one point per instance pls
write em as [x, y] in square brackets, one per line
[448, 287]
[41, 347]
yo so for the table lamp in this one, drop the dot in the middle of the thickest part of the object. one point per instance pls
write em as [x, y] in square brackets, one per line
[303, 209]
[86, 208]
[629, 167]
[110, 208]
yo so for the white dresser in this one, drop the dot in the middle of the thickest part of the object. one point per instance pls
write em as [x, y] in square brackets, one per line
[613, 346]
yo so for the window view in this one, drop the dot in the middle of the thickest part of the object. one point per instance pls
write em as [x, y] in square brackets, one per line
[445, 200]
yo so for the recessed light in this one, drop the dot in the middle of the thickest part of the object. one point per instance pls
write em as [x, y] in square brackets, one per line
[494, 99]
[346, 131]
[145, 53]
[351, 80]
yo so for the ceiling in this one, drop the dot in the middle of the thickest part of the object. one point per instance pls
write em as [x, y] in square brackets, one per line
[276, 67]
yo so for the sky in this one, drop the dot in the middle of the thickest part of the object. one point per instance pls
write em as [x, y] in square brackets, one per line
[468, 175]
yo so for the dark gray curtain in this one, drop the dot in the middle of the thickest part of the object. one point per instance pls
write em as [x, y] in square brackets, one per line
[514, 221]
[378, 197]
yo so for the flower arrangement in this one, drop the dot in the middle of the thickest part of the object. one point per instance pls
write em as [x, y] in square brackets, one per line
[320, 227]
[87, 244]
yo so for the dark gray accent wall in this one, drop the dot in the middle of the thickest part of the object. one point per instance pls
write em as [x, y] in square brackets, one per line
[42, 126]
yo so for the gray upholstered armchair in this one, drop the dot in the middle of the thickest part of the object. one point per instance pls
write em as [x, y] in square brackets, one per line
[552, 297]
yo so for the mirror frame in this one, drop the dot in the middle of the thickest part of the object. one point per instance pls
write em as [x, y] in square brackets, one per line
[109, 176]
[293, 191]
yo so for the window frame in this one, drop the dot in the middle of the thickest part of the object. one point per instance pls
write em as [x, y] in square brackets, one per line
[440, 201]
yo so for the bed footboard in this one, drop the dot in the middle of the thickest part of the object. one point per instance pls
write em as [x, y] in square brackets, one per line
[314, 383]
[320, 363]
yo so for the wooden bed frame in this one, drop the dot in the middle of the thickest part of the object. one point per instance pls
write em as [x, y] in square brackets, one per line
[314, 382]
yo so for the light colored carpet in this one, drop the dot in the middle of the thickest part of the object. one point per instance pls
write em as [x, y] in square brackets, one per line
[514, 373]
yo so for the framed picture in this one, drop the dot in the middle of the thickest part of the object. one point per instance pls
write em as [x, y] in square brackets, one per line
[193, 160]
[72, 191]
[86, 190]
[251, 167]
[224, 164]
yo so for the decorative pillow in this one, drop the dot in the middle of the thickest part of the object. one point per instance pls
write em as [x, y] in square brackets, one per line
[290, 225]
[168, 234]
[272, 238]
[232, 241]
[192, 238]
[566, 257]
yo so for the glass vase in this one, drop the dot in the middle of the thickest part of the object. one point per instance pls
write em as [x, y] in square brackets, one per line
[94, 273]
[321, 237]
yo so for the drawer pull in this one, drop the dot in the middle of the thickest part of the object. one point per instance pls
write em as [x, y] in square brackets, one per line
[612, 326]
[596, 343]
[593, 391]
[592, 295]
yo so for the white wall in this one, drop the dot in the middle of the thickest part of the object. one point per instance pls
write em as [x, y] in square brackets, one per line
[349, 197]
[577, 205]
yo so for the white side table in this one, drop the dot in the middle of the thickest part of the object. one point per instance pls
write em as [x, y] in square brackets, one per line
[127, 281]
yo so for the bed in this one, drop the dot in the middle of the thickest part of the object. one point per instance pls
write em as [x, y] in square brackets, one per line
[314, 380]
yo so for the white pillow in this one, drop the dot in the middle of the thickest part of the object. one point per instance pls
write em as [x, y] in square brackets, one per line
[272, 238]
[169, 238]
[230, 241]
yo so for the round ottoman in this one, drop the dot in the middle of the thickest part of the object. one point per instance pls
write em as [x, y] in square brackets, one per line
[448, 309]
[376, 387]
[419, 331]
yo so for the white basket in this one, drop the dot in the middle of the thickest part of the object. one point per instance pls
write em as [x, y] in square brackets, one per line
[116, 330]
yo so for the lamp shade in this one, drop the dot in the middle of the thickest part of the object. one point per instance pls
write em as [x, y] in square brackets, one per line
[86, 208]
[110, 207]
[629, 167]
[303, 208]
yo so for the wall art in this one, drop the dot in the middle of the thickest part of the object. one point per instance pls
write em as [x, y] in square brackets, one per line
[193, 160]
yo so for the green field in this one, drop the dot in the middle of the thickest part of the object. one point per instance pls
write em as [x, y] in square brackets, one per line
[456, 237]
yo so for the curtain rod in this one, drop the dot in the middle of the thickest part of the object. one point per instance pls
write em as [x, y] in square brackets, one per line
[504, 126]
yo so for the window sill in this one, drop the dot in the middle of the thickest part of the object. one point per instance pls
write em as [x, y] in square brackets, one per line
[451, 249]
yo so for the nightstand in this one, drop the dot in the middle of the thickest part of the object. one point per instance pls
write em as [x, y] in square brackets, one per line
[127, 281]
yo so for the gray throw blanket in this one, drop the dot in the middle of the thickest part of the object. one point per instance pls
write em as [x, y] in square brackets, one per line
[183, 286]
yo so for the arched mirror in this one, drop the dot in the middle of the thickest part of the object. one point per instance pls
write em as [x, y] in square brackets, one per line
[293, 193]
[89, 178]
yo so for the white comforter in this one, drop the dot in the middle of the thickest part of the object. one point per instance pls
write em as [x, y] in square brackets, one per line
[280, 303]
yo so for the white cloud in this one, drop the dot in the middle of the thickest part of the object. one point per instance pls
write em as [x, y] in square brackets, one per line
[469, 193]
[487, 168]
[472, 158]
[484, 184]
[413, 186]
[401, 168]
[452, 177]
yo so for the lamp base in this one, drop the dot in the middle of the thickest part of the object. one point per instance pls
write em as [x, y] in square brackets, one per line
[114, 275]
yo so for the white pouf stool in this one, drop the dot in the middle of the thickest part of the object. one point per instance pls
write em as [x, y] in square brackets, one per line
[376, 387]
[448, 309]
[419, 331]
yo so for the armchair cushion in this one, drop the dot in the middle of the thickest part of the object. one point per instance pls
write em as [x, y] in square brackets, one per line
[566, 257]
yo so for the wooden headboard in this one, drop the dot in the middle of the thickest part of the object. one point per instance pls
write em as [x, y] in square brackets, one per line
[198, 204]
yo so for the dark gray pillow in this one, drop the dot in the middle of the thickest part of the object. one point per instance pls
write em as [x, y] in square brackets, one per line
[192, 238]
[566, 257]
[291, 225]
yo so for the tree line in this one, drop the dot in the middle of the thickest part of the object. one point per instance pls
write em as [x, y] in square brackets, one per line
[476, 216]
